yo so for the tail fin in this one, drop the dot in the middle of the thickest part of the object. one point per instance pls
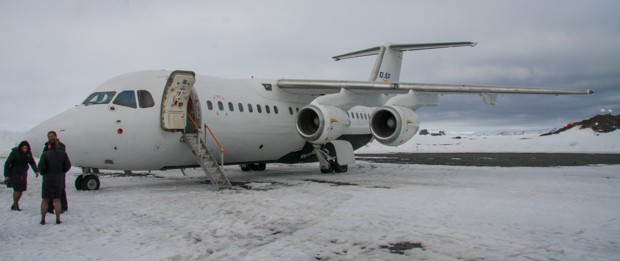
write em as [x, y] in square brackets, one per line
[390, 57]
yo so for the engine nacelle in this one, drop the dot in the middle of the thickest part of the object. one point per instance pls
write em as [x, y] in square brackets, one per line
[393, 125]
[322, 123]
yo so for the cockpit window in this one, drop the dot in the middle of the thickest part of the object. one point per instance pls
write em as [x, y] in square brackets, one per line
[99, 98]
[145, 99]
[126, 98]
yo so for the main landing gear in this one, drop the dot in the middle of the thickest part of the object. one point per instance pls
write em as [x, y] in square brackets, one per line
[253, 166]
[334, 156]
[88, 180]
[334, 167]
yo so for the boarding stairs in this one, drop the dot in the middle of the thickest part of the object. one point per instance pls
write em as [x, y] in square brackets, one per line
[207, 160]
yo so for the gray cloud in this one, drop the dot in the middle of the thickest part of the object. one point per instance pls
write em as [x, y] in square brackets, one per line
[53, 54]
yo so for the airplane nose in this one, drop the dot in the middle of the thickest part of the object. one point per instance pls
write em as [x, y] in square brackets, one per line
[36, 139]
[37, 136]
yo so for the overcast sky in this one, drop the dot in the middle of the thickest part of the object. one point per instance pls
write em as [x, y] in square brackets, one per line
[54, 53]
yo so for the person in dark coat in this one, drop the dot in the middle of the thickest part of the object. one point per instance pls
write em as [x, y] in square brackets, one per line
[16, 171]
[51, 135]
[53, 166]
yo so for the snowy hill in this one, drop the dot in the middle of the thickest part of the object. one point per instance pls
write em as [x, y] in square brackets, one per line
[600, 123]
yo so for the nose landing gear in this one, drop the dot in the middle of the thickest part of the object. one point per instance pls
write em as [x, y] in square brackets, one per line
[88, 180]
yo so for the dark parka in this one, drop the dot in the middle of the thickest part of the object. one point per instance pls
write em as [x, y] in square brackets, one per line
[16, 166]
[53, 165]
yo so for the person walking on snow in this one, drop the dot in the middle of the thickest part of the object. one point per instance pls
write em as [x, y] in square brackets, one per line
[16, 171]
[53, 166]
[51, 136]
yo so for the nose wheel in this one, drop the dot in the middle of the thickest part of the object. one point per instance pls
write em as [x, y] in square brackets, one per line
[87, 182]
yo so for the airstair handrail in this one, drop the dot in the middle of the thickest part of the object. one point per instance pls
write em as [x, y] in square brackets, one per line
[219, 145]
[216, 141]
[193, 122]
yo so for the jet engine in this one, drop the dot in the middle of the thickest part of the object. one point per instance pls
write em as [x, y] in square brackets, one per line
[319, 123]
[394, 125]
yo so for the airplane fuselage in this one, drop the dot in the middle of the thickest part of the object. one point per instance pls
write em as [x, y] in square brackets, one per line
[253, 120]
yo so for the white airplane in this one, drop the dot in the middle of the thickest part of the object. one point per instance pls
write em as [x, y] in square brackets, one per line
[158, 120]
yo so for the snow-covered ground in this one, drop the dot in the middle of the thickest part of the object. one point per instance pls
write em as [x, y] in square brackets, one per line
[574, 140]
[292, 212]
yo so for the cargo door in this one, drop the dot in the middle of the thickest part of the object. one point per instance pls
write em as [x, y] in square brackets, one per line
[175, 100]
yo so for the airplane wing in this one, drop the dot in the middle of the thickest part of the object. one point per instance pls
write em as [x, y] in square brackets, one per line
[319, 87]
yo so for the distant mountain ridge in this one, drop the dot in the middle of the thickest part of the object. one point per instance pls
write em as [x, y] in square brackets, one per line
[599, 123]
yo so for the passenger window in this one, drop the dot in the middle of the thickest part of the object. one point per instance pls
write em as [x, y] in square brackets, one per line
[297, 109]
[267, 109]
[126, 98]
[258, 108]
[275, 109]
[210, 105]
[145, 100]
[250, 107]
[220, 105]
[240, 107]
[231, 107]
[290, 110]
[99, 98]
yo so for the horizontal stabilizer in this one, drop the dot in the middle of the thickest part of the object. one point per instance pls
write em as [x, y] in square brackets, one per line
[402, 48]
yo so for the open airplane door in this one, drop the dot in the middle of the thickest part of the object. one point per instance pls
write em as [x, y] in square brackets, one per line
[175, 99]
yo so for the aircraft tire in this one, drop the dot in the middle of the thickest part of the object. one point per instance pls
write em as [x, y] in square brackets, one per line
[91, 182]
[79, 182]
[341, 168]
[261, 166]
[258, 166]
[245, 167]
[326, 170]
